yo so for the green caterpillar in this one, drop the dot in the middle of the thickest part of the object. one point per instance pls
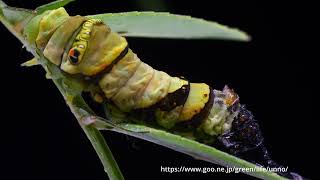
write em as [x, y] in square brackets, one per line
[88, 47]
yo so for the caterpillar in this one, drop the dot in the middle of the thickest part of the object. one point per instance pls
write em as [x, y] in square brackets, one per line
[89, 49]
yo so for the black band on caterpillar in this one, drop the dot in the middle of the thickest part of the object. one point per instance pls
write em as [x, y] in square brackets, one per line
[169, 102]
[174, 99]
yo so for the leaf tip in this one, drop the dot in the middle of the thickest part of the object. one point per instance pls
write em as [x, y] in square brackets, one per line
[245, 37]
[30, 63]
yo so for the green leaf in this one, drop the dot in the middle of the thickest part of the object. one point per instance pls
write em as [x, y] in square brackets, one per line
[52, 5]
[33, 62]
[166, 25]
[189, 147]
[2, 5]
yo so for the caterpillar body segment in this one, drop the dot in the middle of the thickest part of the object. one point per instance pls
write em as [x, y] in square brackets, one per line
[56, 45]
[80, 44]
[88, 47]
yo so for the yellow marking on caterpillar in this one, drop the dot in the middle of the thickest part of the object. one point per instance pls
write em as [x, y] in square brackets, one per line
[114, 53]
[198, 97]
[110, 54]
[176, 83]
[80, 45]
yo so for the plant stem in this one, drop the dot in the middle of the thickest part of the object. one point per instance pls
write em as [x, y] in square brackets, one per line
[93, 134]
[104, 152]
[97, 140]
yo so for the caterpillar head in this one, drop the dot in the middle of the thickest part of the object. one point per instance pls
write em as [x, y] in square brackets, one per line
[77, 44]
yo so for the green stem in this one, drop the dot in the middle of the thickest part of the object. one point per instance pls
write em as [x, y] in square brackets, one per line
[104, 152]
[93, 134]
[97, 140]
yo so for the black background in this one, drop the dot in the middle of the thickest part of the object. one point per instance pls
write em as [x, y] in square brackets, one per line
[42, 140]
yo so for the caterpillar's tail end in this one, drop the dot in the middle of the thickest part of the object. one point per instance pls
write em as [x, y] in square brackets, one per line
[245, 140]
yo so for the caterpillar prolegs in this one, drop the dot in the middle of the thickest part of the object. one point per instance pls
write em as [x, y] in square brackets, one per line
[88, 48]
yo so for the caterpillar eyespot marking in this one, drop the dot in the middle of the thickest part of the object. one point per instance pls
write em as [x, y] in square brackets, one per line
[74, 55]
[80, 45]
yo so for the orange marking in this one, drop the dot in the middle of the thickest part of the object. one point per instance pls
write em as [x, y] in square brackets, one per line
[71, 52]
